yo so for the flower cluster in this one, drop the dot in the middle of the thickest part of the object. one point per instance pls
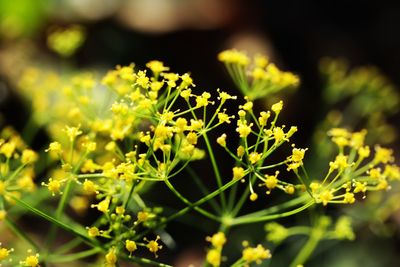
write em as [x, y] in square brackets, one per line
[256, 77]
[16, 168]
[354, 170]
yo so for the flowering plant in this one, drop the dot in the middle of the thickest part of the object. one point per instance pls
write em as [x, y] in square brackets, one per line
[115, 143]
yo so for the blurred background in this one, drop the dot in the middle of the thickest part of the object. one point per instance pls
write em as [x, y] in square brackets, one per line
[188, 34]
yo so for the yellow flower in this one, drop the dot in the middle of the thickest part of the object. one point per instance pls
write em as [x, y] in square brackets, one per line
[238, 173]
[254, 157]
[234, 56]
[191, 138]
[253, 196]
[256, 254]
[325, 196]
[28, 156]
[213, 257]
[383, 155]
[89, 187]
[222, 140]
[271, 181]
[156, 66]
[111, 257]
[4, 253]
[93, 231]
[240, 151]
[217, 240]
[72, 132]
[31, 261]
[102, 205]
[277, 107]
[243, 129]
[130, 246]
[279, 135]
[360, 187]
[153, 246]
[53, 186]
[8, 149]
[142, 80]
[223, 117]
[264, 118]
[349, 198]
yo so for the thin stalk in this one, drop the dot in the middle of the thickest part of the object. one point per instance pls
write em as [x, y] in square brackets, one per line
[187, 202]
[240, 220]
[54, 258]
[216, 170]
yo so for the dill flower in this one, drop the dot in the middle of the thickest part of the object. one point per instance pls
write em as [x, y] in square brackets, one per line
[222, 140]
[255, 254]
[217, 240]
[111, 257]
[53, 186]
[4, 252]
[153, 246]
[31, 261]
[130, 246]
[213, 257]
[238, 173]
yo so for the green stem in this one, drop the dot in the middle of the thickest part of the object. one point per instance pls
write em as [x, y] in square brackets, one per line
[57, 222]
[187, 202]
[73, 257]
[204, 190]
[216, 170]
[145, 261]
[60, 208]
[306, 251]
[247, 220]
[192, 205]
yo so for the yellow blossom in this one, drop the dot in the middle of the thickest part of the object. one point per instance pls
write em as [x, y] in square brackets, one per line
[213, 257]
[253, 196]
[156, 66]
[31, 261]
[191, 138]
[111, 257]
[277, 107]
[254, 157]
[4, 253]
[234, 56]
[349, 198]
[130, 246]
[256, 254]
[28, 156]
[142, 80]
[222, 140]
[217, 240]
[243, 128]
[238, 173]
[263, 118]
[240, 151]
[360, 187]
[102, 205]
[325, 196]
[93, 231]
[72, 132]
[7, 149]
[89, 187]
[383, 155]
[271, 181]
[153, 246]
[54, 186]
